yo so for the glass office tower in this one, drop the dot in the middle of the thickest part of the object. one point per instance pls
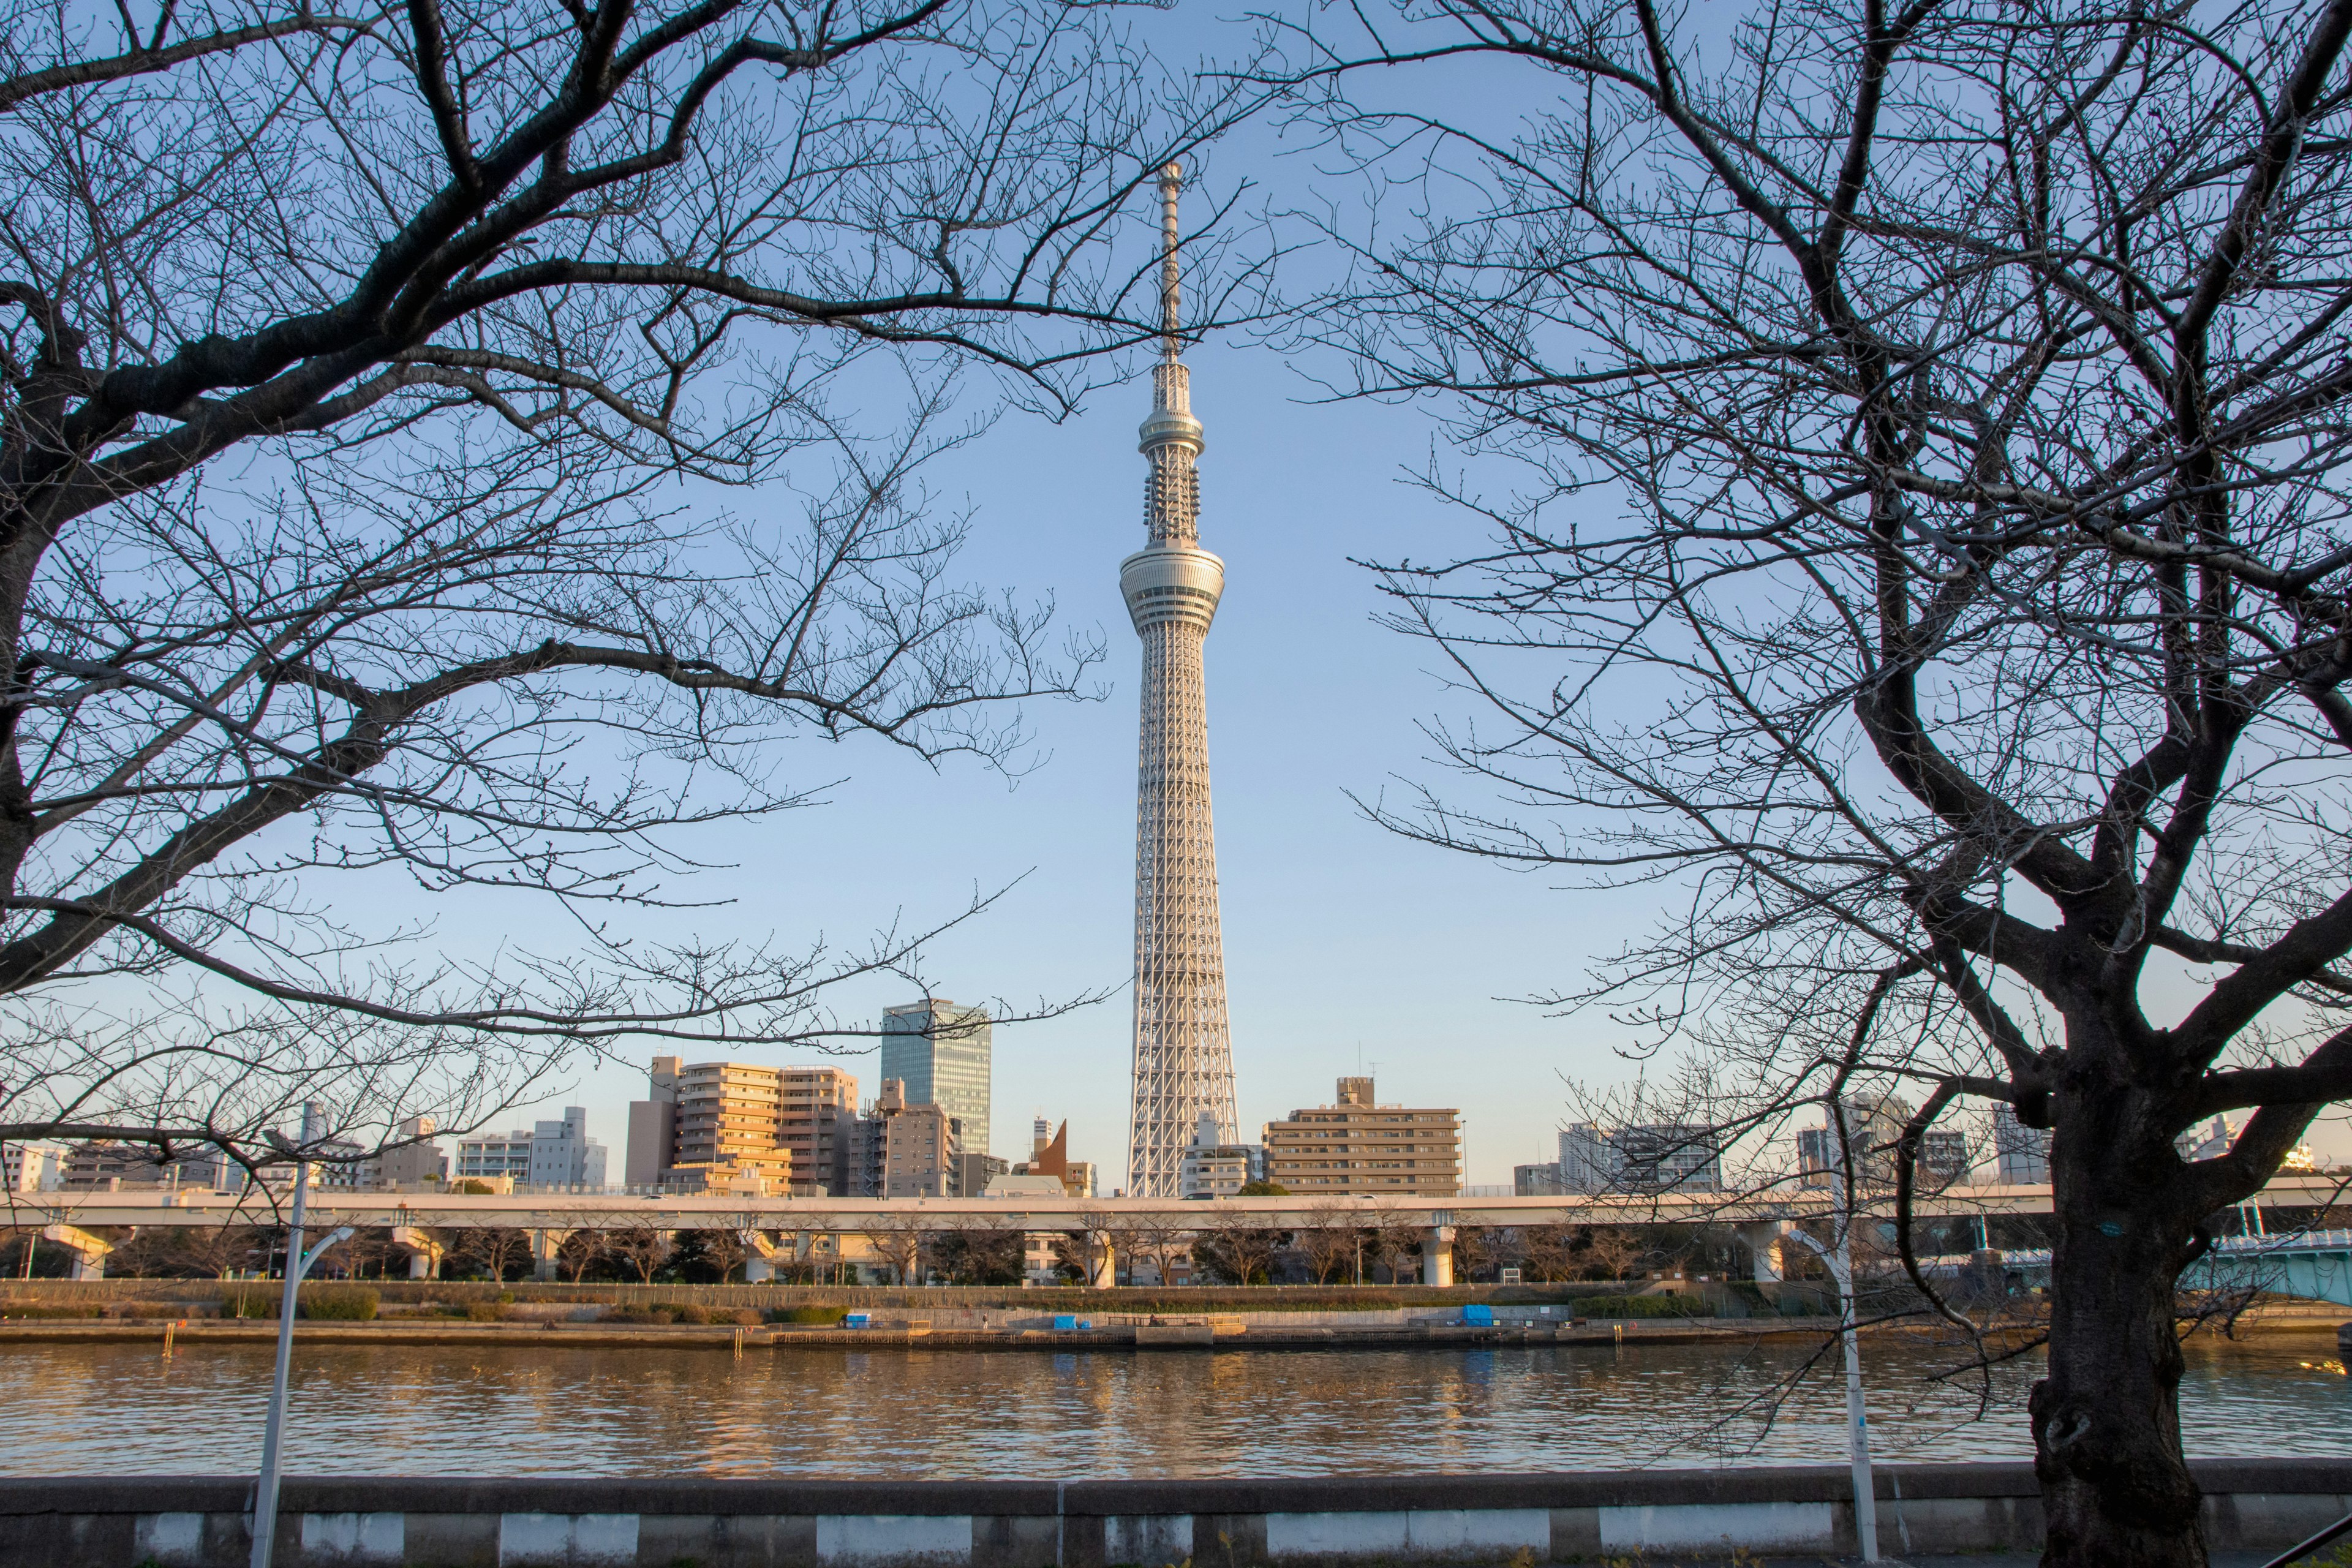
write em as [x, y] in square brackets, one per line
[942, 1051]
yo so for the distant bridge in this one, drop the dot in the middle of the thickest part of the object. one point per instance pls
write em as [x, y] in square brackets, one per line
[2315, 1265]
[68, 1218]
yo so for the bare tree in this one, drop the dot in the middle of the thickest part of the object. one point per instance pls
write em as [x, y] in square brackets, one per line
[1160, 1237]
[1331, 1238]
[897, 1240]
[498, 1250]
[1610, 1252]
[1550, 1250]
[638, 1248]
[978, 1253]
[1478, 1249]
[1930, 565]
[1236, 1247]
[1390, 1236]
[580, 1252]
[365, 382]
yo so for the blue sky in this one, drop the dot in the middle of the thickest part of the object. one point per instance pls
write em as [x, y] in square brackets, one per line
[1344, 944]
[1347, 948]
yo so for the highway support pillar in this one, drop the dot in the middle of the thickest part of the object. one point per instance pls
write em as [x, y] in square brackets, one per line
[425, 1254]
[1102, 1267]
[90, 1252]
[1765, 1242]
[546, 1251]
[1437, 1254]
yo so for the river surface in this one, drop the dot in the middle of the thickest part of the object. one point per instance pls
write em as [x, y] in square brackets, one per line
[536, 1410]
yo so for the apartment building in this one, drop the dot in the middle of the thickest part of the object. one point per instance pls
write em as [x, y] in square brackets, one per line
[922, 1149]
[487, 1157]
[820, 1109]
[421, 1162]
[38, 1167]
[1360, 1146]
[1213, 1166]
[1644, 1157]
[734, 1126]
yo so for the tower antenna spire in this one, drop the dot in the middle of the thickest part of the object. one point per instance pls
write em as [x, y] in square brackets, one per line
[1171, 185]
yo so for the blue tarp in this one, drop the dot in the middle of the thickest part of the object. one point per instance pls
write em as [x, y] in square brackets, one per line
[1478, 1317]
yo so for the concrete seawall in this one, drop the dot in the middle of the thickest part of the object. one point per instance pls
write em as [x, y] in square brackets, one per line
[2252, 1505]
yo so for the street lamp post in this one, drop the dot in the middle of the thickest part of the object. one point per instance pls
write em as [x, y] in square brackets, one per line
[298, 1264]
[1839, 1258]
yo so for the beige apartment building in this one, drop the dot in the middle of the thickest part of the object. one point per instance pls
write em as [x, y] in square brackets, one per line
[921, 1146]
[1361, 1148]
[735, 1126]
[820, 1114]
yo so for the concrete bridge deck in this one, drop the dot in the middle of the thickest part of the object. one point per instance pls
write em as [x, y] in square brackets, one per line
[531, 1210]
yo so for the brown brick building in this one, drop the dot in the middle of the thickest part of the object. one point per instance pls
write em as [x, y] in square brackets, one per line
[1359, 1147]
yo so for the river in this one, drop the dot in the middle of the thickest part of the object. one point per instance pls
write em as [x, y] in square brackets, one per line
[535, 1410]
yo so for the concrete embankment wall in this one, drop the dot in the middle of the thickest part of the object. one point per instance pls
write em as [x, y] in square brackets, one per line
[2258, 1505]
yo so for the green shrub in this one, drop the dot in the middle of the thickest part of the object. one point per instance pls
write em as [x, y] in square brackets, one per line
[638, 1315]
[1643, 1306]
[691, 1312]
[486, 1311]
[26, 1310]
[251, 1304]
[343, 1303]
[806, 1315]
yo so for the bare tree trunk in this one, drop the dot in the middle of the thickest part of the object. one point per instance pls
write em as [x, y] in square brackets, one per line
[2106, 1419]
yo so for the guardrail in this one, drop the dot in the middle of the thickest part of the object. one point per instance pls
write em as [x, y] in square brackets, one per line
[2251, 1505]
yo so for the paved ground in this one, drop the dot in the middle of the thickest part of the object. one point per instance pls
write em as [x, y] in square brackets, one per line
[1987, 1560]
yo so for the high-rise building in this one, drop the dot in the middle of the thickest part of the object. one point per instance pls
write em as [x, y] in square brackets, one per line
[1588, 1159]
[922, 1152]
[653, 1126]
[413, 1163]
[1874, 1126]
[738, 1127]
[820, 1106]
[941, 1053]
[2021, 1153]
[1360, 1146]
[1184, 1050]
[1541, 1181]
[563, 1155]
[1646, 1157]
[1667, 1156]
[488, 1156]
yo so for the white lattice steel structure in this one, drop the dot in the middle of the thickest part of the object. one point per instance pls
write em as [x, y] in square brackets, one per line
[1183, 1054]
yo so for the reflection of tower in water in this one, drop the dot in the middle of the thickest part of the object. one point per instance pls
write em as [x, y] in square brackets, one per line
[1183, 1054]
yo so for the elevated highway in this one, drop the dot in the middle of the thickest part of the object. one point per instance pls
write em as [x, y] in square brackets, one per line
[419, 1220]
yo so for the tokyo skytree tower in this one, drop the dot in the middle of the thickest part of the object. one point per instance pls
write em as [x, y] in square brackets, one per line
[1183, 1055]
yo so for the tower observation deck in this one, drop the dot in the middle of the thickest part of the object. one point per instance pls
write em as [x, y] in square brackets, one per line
[1183, 1053]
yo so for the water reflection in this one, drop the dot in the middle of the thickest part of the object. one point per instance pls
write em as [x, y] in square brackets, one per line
[536, 1411]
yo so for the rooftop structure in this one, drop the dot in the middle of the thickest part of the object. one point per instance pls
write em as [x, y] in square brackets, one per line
[1184, 1061]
